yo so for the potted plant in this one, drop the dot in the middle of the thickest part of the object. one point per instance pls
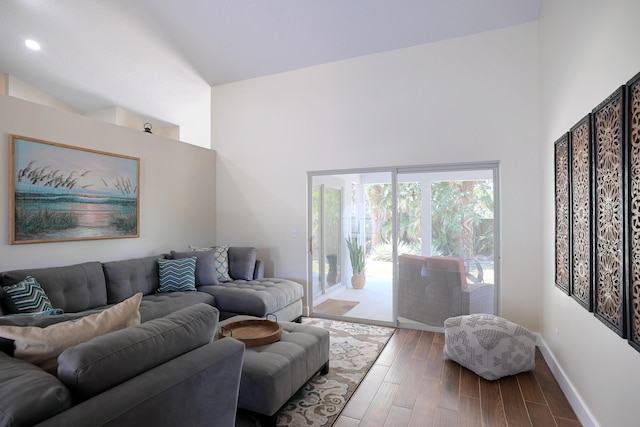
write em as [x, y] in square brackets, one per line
[358, 261]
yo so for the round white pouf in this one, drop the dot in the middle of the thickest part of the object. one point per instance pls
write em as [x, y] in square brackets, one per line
[489, 345]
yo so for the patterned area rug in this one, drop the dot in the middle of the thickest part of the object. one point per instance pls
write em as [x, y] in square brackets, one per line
[335, 306]
[353, 350]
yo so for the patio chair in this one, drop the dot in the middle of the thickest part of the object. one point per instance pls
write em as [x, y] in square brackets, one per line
[433, 289]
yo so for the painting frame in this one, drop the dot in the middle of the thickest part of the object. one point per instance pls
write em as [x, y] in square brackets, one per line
[633, 210]
[562, 160]
[60, 192]
[581, 218]
[609, 211]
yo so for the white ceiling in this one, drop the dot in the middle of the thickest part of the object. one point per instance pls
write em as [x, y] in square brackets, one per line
[154, 57]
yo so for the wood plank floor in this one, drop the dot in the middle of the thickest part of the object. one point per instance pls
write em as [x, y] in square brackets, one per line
[412, 384]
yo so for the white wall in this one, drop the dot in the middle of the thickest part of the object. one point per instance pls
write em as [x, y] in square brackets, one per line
[177, 184]
[23, 90]
[468, 99]
[588, 48]
[193, 111]
[119, 116]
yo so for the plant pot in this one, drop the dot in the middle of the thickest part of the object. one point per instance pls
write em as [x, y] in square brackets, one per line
[357, 280]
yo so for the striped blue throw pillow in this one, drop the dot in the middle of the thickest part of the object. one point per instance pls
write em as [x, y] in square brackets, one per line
[28, 296]
[177, 275]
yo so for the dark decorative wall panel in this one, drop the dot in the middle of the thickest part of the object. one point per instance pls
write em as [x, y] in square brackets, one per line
[603, 208]
[562, 212]
[580, 194]
[633, 221]
[608, 210]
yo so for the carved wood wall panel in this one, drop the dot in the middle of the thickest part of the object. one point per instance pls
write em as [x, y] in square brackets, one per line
[562, 212]
[603, 234]
[580, 194]
[609, 204]
[633, 221]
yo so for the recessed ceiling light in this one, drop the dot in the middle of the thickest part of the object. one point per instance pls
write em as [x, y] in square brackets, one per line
[32, 44]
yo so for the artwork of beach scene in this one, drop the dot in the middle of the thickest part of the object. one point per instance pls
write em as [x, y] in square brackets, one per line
[62, 193]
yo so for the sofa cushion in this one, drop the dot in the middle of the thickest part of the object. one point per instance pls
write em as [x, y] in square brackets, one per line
[177, 275]
[71, 288]
[445, 269]
[95, 366]
[29, 395]
[28, 296]
[221, 256]
[41, 346]
[162, 304]
[254, 297]
[206, 273]
[45, 318]
[128, 277]
[242, 262]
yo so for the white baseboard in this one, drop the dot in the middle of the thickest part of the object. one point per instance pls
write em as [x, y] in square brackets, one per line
[576, 402]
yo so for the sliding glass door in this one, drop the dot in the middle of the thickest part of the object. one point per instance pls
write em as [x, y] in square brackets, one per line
[427, 236]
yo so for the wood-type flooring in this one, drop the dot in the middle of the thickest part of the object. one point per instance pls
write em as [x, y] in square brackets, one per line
[412, 384]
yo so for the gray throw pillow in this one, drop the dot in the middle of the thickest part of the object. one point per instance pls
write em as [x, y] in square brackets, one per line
[206, 273]
[242, 262]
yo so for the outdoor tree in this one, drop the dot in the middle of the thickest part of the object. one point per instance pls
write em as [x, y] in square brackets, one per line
[459, 214]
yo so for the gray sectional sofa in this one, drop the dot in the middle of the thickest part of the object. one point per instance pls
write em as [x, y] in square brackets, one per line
[167, 370]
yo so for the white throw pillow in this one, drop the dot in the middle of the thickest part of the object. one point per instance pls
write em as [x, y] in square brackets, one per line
[42, 346]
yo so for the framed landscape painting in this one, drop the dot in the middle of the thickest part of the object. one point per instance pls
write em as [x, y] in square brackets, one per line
[61, 193]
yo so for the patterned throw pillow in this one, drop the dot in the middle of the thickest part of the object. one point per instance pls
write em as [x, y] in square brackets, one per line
[28, 296]
[177, 275]
[221, 260]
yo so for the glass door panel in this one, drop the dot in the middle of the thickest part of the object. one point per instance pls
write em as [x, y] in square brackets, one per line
[352, 211]
[332, 238]
[446, 238]
[317, 268]
[326, 235]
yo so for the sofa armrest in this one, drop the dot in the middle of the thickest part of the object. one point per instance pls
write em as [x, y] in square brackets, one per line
[479, 298]
[258, 272]
[197, 388]
[28, 394]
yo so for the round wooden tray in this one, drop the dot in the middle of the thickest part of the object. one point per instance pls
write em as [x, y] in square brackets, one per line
[252, 332]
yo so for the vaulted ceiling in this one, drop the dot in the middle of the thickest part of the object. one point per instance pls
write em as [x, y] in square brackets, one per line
[153, 57]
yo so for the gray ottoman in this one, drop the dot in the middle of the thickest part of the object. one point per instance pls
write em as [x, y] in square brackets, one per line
[272, 373]
[489, 345]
